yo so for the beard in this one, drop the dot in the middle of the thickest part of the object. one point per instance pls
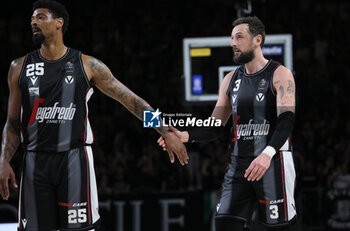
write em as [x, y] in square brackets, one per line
[244, 57]
[38, 39]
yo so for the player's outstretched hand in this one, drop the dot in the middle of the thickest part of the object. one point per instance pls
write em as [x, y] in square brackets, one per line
[173, 144]
[6, 173]
[183, 136]
[258, 167]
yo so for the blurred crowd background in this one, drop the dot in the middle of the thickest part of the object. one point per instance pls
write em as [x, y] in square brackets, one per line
[141, 42]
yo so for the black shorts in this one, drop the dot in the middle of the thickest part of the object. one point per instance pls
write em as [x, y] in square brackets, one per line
[273, 193]
[58, 191]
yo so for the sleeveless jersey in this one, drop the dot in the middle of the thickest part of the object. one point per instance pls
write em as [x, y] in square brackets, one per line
[254, 112]
[54, 103]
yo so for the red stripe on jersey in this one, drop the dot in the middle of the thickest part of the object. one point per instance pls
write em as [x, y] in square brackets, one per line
[235, 125]
[85, 128]
[289, 146]
[264, 202]
[65, 204]
[35, 109]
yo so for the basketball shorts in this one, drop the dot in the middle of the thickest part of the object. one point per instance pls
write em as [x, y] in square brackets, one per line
[58, 191]
[273, 193]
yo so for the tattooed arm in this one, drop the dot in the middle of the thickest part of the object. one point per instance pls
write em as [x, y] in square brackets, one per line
[283, 83]
[11, 133]
[101, 76]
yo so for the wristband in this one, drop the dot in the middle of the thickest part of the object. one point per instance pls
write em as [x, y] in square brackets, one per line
[270, 151]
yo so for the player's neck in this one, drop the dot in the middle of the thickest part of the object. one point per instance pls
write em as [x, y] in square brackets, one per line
[53, 50]
[258, 63]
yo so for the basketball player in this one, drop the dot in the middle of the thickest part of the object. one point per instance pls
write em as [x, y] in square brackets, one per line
[47, 111]
[260, 95]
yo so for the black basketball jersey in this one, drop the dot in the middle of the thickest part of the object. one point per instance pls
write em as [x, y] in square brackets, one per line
[254, 112]
[54, 102]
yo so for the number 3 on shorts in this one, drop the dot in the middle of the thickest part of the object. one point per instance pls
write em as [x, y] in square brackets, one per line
[73, 214]
[274, 211]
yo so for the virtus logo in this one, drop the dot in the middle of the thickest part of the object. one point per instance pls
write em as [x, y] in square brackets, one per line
[69, 79]
[260, 97]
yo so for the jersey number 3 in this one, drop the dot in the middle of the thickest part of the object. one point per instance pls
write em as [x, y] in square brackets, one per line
[237, 84]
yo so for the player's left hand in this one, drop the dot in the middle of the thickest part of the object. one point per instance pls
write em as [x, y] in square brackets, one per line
[258, 167]
[174, 145]
[6, 173]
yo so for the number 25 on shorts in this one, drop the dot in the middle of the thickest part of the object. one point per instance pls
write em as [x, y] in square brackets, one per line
[77, 216]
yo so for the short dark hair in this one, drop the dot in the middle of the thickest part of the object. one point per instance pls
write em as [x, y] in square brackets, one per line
[255, 26]
[57, 9]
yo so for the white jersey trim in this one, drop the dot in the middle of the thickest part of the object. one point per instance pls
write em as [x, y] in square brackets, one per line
[289, 177]
[89, 139]
[285, 146]
[93, 187]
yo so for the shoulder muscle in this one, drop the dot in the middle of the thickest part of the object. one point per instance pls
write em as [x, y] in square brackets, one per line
[223, 100]
[15, 70]
[282, 74]
[226, 81]
[94, 67]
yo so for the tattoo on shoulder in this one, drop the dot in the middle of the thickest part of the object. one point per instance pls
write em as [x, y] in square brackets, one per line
[112, 87]
[96, 65]
[276, 82]
[116, 90]
[105, 75]
[281, 89]
[290, 88]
